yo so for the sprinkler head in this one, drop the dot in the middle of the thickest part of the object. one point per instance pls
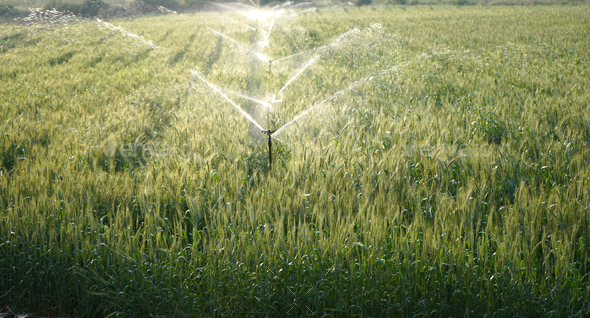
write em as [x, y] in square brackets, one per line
[268, 132]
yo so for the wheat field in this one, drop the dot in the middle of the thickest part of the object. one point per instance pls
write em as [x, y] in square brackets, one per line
[438, 166]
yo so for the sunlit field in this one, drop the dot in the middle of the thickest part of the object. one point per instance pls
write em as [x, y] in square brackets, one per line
[427, 162]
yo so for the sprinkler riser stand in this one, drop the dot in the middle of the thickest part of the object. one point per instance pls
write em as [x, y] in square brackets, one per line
[269, 134]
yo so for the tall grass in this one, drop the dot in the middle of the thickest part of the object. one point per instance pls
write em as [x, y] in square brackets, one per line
[455, 185]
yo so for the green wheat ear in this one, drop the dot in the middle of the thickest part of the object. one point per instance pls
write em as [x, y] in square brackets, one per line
[111, 149]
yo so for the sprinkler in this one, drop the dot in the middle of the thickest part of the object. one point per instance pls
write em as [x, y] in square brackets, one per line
[269, 134]
[269, 66]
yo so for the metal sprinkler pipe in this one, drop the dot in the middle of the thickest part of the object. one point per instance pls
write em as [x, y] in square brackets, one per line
[269, 134]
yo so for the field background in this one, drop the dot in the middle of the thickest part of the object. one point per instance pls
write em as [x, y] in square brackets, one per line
[455, 182]
[24, 4]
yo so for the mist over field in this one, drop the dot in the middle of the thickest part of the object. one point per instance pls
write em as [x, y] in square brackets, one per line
[168, 158]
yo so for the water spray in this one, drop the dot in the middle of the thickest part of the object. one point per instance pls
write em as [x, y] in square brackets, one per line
[308, 64]
[271, 134]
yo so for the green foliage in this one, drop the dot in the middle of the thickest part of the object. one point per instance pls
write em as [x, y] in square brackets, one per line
[8, 10]
[88, 8]
[99, 8]
[60, 5]
[145, 6]
[454, 184]
[92, 8]
[192, 3]
[170, 4]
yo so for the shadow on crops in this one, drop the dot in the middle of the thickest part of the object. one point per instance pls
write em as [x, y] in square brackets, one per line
[180, 54]
[141, 56]
[16, 40]
[61, 59]
[214, 56]
[166, 35]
